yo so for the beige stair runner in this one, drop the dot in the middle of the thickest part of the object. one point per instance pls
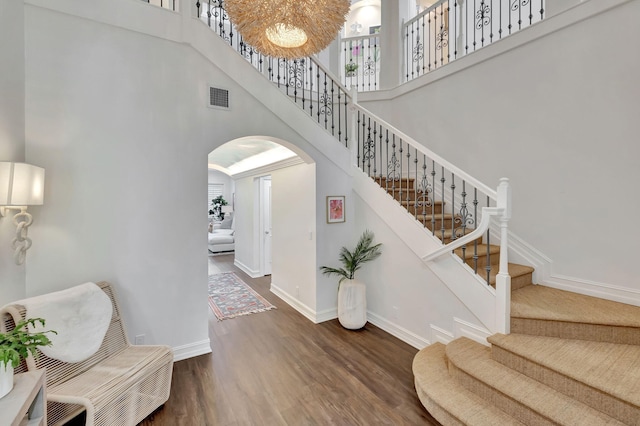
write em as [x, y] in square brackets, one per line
[589, 376]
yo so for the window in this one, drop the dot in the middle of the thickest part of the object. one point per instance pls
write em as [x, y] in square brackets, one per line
[215, 190]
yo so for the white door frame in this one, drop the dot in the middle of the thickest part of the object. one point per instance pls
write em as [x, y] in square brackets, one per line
[265, 220]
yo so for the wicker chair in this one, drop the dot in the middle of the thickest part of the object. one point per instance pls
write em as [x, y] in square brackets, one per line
[121, 384]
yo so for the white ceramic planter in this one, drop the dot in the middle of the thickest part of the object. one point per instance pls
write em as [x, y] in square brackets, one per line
[6, 379]
[352, 304]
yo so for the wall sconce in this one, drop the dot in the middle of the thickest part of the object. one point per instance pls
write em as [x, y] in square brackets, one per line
[21, 185]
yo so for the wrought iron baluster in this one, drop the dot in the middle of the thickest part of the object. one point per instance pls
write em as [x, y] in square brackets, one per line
[407, 49]
[475, 242]
[455, 29]
[408, 173]
[346, 121]
[530, 12]
[488, 267]
[466, 27]
[358, 142]
[369, 145]
[415, 44]
[415, 187]
[304, 74]
[474, 31]
[340, 114]
[442, 227]
[433, 185]
[364, 133]
[428, 43]
[453, 206]
[441, 34]
[380, 136]
[386, 178]
[318, 95]
[500, 19]
[331, 109]
[208, 15]
[393, 170]
[400, 174]
[541, 9]
[491, 21]
[311, 87]
[324, 99]
[197, 8]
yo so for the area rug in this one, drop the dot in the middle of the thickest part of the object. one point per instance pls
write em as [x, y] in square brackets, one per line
[230, 297]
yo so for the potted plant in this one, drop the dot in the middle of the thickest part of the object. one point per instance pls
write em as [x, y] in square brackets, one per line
[216, 209]
[16, 345]
[352, 297]
[351, 69]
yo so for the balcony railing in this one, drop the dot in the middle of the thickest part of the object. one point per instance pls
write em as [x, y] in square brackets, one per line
[305, 81]
[360, 60]
[165, 4]
[450, 29]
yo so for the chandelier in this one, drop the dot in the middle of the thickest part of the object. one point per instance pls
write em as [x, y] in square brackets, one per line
[288, 28]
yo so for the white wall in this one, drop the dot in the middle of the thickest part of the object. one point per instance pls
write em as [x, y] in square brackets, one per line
[404, 296]
[294, 232]
[558, 116]
[124, 138]
[247, 211]
[12, 276]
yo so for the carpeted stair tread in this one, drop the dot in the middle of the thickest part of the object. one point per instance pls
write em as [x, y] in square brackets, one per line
[525, 399]
[515, 272]
[446, 400]
[540, 302]
[611, 368]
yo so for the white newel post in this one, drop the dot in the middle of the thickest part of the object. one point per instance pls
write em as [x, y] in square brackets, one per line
[503, 280]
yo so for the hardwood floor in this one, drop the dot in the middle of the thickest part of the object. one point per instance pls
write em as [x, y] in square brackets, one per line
[278, 368]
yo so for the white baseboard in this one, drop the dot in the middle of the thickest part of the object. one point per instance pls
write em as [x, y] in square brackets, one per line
[462, 328]
[591, 288]
[191, 350]
[397, 331]
[309, 313]
[251, 272]
[522, 252]
[326, 315]
[440, 335]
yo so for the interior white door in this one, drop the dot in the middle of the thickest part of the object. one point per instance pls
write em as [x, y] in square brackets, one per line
[266, 225]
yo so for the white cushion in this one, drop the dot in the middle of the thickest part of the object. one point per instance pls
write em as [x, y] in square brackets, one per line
[216, 238]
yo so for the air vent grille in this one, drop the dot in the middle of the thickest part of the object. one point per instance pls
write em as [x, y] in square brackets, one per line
[218, 98]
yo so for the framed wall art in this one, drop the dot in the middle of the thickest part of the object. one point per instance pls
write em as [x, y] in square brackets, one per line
[335, 208]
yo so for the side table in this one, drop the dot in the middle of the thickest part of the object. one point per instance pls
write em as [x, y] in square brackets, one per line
[26, 404]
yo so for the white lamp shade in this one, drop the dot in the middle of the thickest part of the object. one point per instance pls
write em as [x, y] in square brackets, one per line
[227, 209]
[21, 184]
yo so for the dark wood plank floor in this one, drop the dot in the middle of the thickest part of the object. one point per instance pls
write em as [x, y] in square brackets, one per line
[278, 368]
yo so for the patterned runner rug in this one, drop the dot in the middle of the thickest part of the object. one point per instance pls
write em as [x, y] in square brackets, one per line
[230, 297]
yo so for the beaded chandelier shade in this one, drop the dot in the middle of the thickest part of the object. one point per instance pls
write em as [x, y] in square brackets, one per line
[288, 28]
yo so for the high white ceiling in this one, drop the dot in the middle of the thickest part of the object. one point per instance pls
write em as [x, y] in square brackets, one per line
[245, 154]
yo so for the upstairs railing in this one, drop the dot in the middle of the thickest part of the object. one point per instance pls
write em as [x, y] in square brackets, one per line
[450, 29]
[360, 60]
[165, 4]
[304, 80]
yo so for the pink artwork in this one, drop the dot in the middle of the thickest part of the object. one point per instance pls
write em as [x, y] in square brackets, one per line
[335, 209]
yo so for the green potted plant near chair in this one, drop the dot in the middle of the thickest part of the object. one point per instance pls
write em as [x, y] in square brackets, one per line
[216, 207]
[352, 296]
[16, 345]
